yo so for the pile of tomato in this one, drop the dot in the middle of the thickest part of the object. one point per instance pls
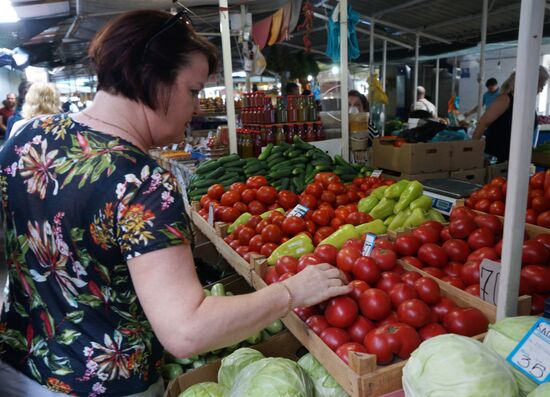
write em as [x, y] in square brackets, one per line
[454, 253]
[491, 198]
[389, 312]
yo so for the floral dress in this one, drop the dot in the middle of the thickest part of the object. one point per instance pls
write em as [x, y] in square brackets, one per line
[76, 205]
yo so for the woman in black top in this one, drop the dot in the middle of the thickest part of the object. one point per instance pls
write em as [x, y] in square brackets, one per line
[496, 122]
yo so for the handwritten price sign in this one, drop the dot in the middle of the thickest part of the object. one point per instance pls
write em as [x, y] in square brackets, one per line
[532, 354]
[489, 279]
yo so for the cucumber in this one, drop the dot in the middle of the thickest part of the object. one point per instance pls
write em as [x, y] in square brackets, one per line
[294, 153]
[198, 191]
[217, 173]
[274, 156]
[228, 182]
[281, 164]
[278, 149]
[207, 167]
[299, 160]
[236, 163]
[238, 170]
[267, 151]
[205, 183]
[285, 183]
[281, 173]
[300, 144]
[298, 182]
[228, 159]
[254, 168]
[321, 162]
[322, 168]
[297, 171]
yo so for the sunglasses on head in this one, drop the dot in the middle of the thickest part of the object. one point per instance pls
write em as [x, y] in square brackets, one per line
[166, 26]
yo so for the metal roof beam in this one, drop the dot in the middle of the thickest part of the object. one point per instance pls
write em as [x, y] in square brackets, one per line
[389, 10]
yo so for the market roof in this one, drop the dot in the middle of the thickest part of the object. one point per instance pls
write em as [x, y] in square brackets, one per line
[443, 25]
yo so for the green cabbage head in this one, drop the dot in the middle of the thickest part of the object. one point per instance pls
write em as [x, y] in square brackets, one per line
[233, 364]
[323, 382]
[206, 389]
[541, 391]
[453, 365]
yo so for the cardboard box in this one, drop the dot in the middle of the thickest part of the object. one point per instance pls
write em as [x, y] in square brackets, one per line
[281, 345]
[412, 158]
[500, 169]
[467, 154]
[474, 176]
[416, 177]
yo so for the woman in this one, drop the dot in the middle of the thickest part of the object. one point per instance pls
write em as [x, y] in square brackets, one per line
[357, 102]
[101, 274]
[496, 122]
[41, 99]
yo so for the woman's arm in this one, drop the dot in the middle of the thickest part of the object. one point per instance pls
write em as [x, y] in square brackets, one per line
[187, 323]
[496, 110]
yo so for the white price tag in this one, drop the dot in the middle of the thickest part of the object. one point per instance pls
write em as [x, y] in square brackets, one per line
[376, 173]
[532, 354]
[370, 238]
[300, 211]
[489, 279]
[211, 214]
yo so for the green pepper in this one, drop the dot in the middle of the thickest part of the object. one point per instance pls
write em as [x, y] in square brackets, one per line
[435, 215]
[265, 215]
[389, 220]
[399, 220]
[297, 246]
[256, 338]
[340, 236]
[207, 292]
[275, 327]
[367, 204]
[377, 227]
[379, 192]
[383, 209]
[416, 218]
[423, 202]
[394, 191]
[411, 193]
[217, 289]
[241, 220]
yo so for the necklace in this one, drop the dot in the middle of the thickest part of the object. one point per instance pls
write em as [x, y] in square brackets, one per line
[107, 123]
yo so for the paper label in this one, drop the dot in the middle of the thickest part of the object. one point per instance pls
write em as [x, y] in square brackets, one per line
[211, 214]
[489, 279]
[299, 211]
[532, 354]
[370, 238]
[376, 173]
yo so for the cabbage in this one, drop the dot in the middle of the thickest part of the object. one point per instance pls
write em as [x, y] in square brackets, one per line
[541, 391]
[233, 364]
[272, 377]
[323, 382]
[503, 336]
[206, 389]
[453, 365]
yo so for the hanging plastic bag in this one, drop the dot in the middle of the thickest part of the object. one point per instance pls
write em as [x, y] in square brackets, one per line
[377, 94]
[333, 40]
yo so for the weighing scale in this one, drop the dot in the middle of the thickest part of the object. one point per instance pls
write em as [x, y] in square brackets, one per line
[446, 192]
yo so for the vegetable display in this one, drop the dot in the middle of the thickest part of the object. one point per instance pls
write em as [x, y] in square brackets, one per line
[323, 383]
[206, 389]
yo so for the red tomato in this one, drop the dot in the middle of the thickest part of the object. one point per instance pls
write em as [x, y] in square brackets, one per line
[433, 255]
[238, 187]
[253, 221]
[271, 276]
[248, 195]
[321, 217]
[453, 269]
[293, 225]
[454, 281]
[272, 234]
[543, 219]
[385, 258]
[216, 191]
[285, 276]
[267, 194]
[359, 287]
[229, 215]
[317, 323]
[436, 225]
[461, 228]
[537, 304]
[412, 261]
[230, 198]
[491, 222]
[473, 289]
[346, 257]
[537, 180]
[310, 227]
[234, 244]
[434, 271]
[365, 268]
[245, 234]
[326, 253]
[426, 234]
[457, 250]
[498, 181]
[241, 207]
[342, 213]
[410, 278]
[328, 197]
[540, 204]
[344, 350]
[470, 272]
[242, 250]
[255, 244]
[336, 188]
[498, 248]
[286, 264]
[341, 199]
[538, 277]
[531, 216]
[306, 312]
[255, 182]
[407, 244]
[287, 199]
[494, 193]
[358, 218]
[309, 201]
[391, 319]
[534, 252]
[482, 237]
[497, 208]
[544, 239]
[414, 312]
[445, 234]
[390, 339]
[375, 304]
[384, 243]
[334, 337]
[401, 292]
[263, 223]
[341, 312]
[467, 321]
[387, 281]
[461, 212]
[256, 208]
[444, 306]
[315, 189]
[307, 260]
[427, 290]
[359, 329]
[268, 248]
[482, 253]
[431, 330]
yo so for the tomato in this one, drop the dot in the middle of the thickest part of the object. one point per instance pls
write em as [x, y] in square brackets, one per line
[537, 304]
[538, 277]
[328, 197]
[453, 269]
[286, 264]
[399, 142]
[359, 287]
[494, 193]
[354, 196]
[426, 234]
[375, 304]
[306, 312]
[256, 182]
[540, 204]
[391, 319]
[498, 181]
[427, 290]
[531, 216]
[491, 222]
[317, 323]
[321, 217]
[534, 252]
[230, 198]
[229, 215]
[498, 248]
[346, 257]
[384, 243]
[537, 180]
[470, 202]
[467, 321]
[310, 227]
[241, 207]
[359, 329]
[385, 258]
[457, 250]
[314, 189]
[454, 281]
[307, 260]
[395, 338]
[287, 199]
[308, 201]
[543, 219]
[254, 221]
[205, 201]
[255, 244]
[470, 272]
[409, 278]
[245, 234]
[334, 337]
[365, 268]
[256, 208]
[445, 234]
[461, 228]
[216, 191]
[434, 271]
[497, 208]
[473, 289]
[341, 312]
[407, 244]
[263, 223]
[358, 218]
[461, 212]
[341, 199]
[328, 177]
[293, 225]
[238, 187]
[344, 350]
[431, 330]
[267, 194]
[482, 237]
[412, 261]
[544, 239]
[482, 253]
[285, 276]
[248, 195]
[242, 250]
[336, 188]
[271, 276]
[335, 223]
[414, 312]
[268, 248]
[342, 213]
[272, 234]
[326, 253]
[444, 306]
[401, 292]
[433, 255]
[434, 224]
[387, 281]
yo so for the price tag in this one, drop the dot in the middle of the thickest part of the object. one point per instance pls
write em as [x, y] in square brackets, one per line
[376, 173]
[211, 214]
[370, 238]
[174, 146]
[300, 211]
[489, 279]
[532, 354]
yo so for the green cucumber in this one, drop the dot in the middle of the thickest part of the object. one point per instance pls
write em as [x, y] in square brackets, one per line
[278, 149]
[205, 168]
[235, 163]
[228, 159]
[300, 160]
[217, 173]
[297, 171]
[228, 182]
[205, 183]
[238, 170]
[285, 183]
[300, 144]
[266, 152]
[281, 173]
[323, 167]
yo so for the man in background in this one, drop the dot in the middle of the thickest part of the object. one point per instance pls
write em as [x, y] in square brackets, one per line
[6, 112]
[422, 103]
[292, 89]
[23, 88]
[488, 97]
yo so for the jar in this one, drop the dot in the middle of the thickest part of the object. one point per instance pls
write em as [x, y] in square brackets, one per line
[258, 143]
[312, 114]
[279, 134]
[301, 109]
[319, 132]
[281, 115]
[310, 132]
[269, 134]
[292, 111]
[291, 132]
[269, 111]
[239, 141]
[247, 144]
[245, 101]
[301, 131]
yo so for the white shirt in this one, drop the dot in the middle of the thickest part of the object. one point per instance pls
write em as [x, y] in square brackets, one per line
[424, 104]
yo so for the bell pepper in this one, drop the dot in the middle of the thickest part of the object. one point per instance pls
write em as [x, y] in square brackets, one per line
[435, 215]
[423, 202]
[389, 220]
[379, 192]
[265, 215]
[417, 218]
[412, 192]
[399, 220]
[367, 204]
[296, 247]
[394, 191]
[376, 227]
[383, 209]
[340, 236]
[241, 220]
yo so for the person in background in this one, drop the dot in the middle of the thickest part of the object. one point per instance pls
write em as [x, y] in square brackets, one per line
[488, 97]
[306, 92]
[66, 107]
[41, 99]
[22, 90]
[6, 112]
[292, 89]
[422, 103]
[357, 102]
[496, 122]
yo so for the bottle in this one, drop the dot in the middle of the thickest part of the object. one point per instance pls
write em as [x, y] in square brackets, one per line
[319, 132]
[269, 111]
[311, 109]
[269, 134]
[291, 132]
[239, 141]
[247, 145]
[310, 132]
[281, 116]
[258, 144]
[292, 111]
[279, 134]
[300, 130]
[302, 109]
